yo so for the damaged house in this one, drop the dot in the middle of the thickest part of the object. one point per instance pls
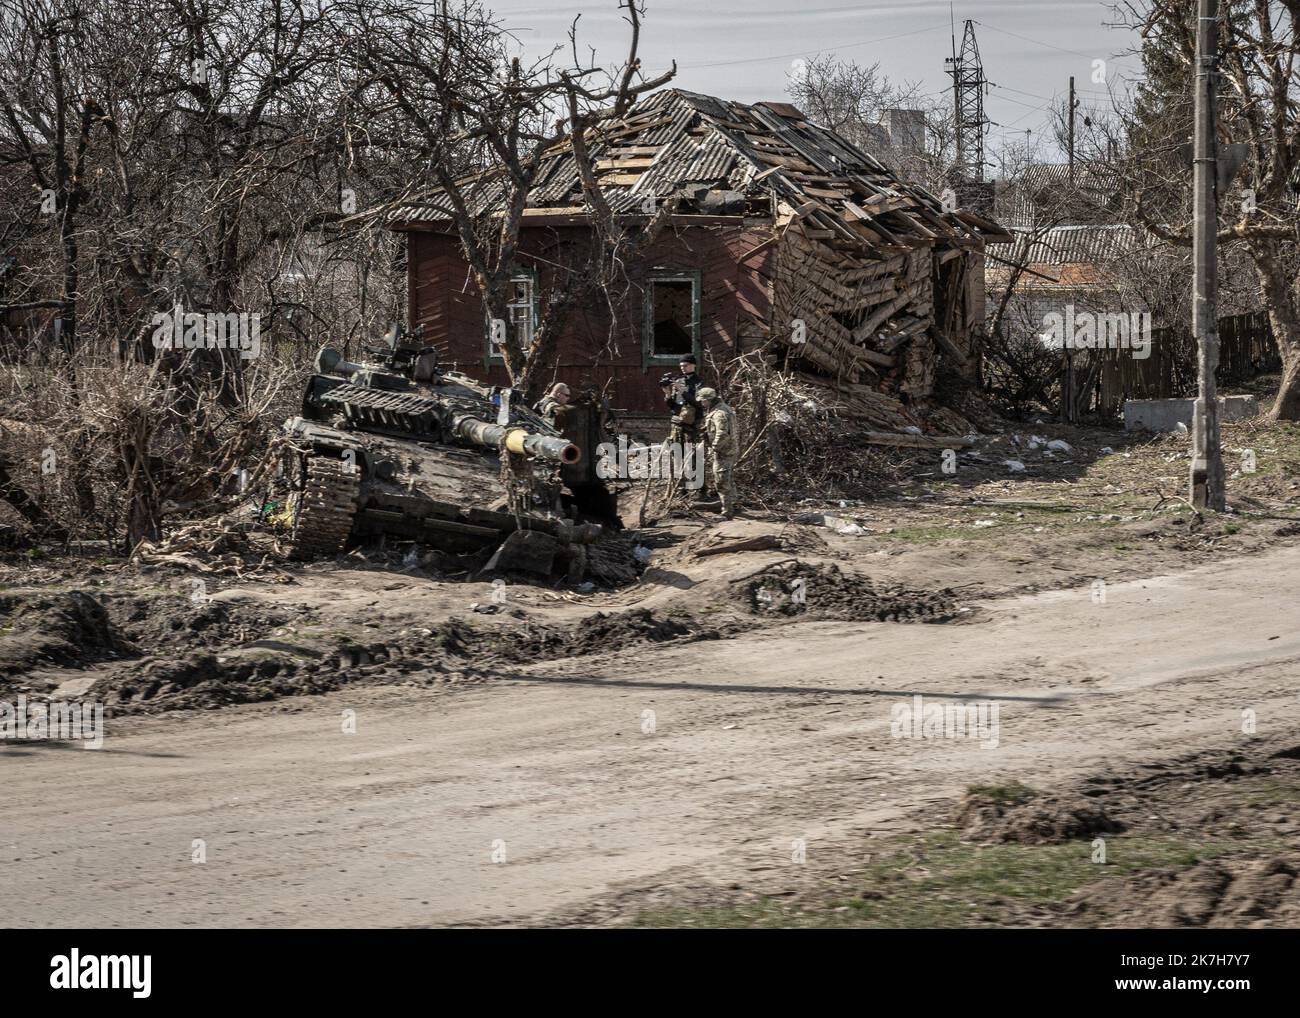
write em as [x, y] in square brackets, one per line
[783, 237]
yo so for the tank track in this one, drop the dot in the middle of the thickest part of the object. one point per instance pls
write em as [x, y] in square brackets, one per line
[325, 509]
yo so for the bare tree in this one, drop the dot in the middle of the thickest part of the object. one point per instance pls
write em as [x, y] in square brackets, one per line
[212, 154]
[48, 120]
[855, 101]
[1260, 89]
[170, 152]
[483, 122]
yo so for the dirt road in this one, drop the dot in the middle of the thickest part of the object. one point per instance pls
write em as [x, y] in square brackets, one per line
[556, 785]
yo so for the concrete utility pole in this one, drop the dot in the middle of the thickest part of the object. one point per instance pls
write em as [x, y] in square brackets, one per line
[1207, 458]
[1072, 130]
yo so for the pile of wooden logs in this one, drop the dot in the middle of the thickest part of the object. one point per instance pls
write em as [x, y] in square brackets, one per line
[856, 403]
[863, 319]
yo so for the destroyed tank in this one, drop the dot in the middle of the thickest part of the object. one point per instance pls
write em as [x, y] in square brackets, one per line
[396, 447]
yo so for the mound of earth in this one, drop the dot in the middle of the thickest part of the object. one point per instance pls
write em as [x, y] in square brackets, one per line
[595, 635]
[823, 591]
[179, 622]
[1224, 893]
[50, 628]
[450, 652]
[1033, 820]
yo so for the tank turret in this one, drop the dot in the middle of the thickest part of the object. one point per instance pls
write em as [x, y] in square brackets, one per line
[390, 444]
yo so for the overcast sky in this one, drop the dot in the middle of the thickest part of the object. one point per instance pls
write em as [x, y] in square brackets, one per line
[743, 49]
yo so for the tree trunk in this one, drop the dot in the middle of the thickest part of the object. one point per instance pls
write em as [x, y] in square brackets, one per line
[144, 512]
[1287, 405]
[26, 506]
[1279, 302]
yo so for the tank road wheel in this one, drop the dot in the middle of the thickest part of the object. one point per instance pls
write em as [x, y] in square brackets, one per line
[324, 511]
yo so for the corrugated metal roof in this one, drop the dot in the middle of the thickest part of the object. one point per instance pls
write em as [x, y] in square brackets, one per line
[1072, 257]
[1044, 191]
[1074, 245]
[702, 140]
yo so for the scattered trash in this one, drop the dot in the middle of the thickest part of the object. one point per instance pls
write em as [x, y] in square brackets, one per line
[850, 530]
[1057, 445]
[1015, 466]
[642, 553]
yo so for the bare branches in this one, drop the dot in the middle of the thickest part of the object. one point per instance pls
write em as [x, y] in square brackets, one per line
[220, 156]
[485, 124]
[1258, 98]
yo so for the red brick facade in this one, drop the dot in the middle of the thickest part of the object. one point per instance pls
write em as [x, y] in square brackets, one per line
[735, 302]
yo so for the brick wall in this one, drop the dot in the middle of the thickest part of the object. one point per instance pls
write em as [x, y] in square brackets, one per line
[596, 346]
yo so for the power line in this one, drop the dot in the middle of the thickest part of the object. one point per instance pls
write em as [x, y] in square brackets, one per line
[803, 52]
[1008, 126]
[1021, 91]
[1037, 42]
[1032, 106]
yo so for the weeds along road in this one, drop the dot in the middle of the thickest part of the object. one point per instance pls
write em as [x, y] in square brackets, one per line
[554, 786]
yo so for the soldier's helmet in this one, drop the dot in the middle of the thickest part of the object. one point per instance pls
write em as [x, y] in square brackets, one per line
[706, 395]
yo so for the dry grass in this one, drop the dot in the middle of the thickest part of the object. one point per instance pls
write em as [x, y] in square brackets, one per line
[111, 450]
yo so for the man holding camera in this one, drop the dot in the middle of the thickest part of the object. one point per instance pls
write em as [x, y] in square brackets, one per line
[680, 398]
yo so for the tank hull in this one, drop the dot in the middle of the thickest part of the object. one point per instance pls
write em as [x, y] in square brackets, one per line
[441, 464]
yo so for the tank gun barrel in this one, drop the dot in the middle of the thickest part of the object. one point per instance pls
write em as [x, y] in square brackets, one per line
[517, 440]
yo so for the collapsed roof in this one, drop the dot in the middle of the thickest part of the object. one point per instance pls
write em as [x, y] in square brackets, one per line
[715, 157]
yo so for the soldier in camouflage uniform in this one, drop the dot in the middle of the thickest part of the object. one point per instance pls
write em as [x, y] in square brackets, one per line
[723, 437]
[557, 397]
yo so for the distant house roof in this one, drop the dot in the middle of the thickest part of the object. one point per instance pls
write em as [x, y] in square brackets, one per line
[1087, 255]
[1065, 245]
[1047, 191]
[711, 152]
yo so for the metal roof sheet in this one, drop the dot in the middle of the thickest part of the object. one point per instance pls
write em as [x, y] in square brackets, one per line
[702, 139]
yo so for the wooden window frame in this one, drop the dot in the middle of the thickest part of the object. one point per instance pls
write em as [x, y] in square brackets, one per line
[668, 275]
[490, 356]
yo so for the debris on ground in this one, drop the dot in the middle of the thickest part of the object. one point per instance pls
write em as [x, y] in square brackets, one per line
[824, 591]
[1032, 819]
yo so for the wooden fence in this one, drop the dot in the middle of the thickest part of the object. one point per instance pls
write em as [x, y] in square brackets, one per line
[1097, 382]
